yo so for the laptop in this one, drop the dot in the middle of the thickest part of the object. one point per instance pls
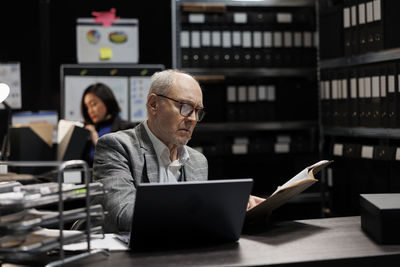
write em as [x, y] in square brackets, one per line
[189, 213]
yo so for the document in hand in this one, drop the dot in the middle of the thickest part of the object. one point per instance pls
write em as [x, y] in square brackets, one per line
[284, 193]
[71, 140]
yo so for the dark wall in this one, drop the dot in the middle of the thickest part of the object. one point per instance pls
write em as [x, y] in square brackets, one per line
[41, 35]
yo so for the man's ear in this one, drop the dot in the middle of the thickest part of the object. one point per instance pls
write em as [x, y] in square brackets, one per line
[152, 104]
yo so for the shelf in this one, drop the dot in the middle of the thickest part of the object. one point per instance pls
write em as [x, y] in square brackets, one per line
[374, 57]
[254, 72]
[256, 126]
[362, 132]
[273, 3]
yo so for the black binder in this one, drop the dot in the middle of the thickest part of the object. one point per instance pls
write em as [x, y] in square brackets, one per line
[73, 144]
[354, 99]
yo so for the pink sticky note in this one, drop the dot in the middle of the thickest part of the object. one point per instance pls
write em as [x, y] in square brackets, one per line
[106, 18]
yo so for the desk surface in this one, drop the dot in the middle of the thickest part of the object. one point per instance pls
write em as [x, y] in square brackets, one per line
[332, 241]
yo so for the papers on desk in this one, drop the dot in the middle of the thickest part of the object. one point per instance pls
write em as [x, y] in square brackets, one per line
[109, 242]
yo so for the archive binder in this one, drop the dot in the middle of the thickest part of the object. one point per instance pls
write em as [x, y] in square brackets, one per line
[33, 142]
[375, 98]
[72, 140]
[354, 99]
[392, 95]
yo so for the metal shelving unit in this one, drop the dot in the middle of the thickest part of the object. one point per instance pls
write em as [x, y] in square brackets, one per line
[375, 57]
[256, 126]
[362, 132]
[63, 195]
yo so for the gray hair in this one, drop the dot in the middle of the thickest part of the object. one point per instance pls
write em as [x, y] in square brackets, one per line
[162, 81]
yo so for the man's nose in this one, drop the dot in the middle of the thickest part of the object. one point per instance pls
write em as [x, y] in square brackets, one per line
[193, 116]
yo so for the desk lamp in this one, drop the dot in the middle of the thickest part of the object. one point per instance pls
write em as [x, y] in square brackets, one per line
[4, 92]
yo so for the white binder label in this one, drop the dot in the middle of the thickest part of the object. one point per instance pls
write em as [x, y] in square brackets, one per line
[338, 149]
[346, 17]
[284, 17]
[353, 16]
[252, 93]
[383, 85]
[297, 39]
[277, 39]
[282, 148]
[367, 152]
[267, 36]
[216, 38]
[361, 89]
[344, 88]
[327, 90]
[205, 38]
[335, 92]
[375, 86]
[196, 18]
[262, 92]
[195, 39]
[398, 153]
[367, 81]
[185, 39]
[353, 88]
[239, 17]
[226, 39]
[238, 149]
[370, 12]
[257, 40]
[361, 14]
[377, 10]
[237, 38]
[391, 84]
[242, 97]
[247, 39]
[231, 94]
[287, 39]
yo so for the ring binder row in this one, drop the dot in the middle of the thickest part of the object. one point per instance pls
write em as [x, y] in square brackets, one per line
[361, 167]
[272, 143]
[238, 37]
[366, 26]
[26, 209]
[366, 95]
[247, 99]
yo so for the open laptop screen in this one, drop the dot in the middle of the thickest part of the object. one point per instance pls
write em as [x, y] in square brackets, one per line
[168, 215]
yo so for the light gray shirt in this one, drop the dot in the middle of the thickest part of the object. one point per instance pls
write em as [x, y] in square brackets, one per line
[169, 171]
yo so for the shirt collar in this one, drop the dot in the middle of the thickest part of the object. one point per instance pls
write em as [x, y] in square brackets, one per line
[161, 149]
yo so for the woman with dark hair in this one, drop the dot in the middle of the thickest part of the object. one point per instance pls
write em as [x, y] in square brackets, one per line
[100, 111]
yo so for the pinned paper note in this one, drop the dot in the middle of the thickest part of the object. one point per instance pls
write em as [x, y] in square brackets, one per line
[105, 53]
[106, 18]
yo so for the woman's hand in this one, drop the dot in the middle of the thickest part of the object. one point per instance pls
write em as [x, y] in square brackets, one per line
[94, 136]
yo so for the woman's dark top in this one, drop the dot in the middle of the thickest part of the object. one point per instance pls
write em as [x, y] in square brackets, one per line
[104, 127]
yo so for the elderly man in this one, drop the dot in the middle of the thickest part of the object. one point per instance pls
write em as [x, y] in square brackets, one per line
[155, 151]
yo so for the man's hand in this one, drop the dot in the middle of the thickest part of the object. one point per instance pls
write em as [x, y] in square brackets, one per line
[254, 201]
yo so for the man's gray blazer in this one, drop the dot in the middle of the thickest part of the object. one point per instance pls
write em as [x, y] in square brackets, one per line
[126, 158]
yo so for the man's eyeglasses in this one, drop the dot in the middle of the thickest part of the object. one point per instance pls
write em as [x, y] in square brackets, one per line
[187, 109]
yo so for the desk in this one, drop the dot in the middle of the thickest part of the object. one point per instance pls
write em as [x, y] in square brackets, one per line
[328, 242]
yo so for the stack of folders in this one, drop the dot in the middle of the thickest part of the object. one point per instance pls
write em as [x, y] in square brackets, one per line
[273, 100]
[23, 216]
[367, 25]
[365, 96]
[244, 37]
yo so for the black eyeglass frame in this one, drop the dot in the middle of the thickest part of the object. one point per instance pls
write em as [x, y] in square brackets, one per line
[200, 113]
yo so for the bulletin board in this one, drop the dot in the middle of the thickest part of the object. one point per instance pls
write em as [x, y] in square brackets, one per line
[129, 83]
